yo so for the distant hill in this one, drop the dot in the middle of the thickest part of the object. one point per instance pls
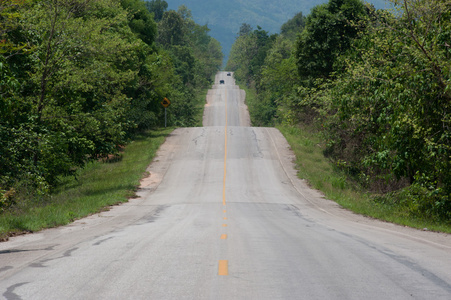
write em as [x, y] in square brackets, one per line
[224, 17]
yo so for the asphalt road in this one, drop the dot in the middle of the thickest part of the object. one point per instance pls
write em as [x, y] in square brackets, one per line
[223, 216]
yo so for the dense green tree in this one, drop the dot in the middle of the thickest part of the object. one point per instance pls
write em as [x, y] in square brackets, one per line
[276, 90]
[245, 29]
[10, 13]
[241, 54]
[141, 20]
[329, 31]
[293, 27]
[70, 107]
[248, 54]
[190, 46]
[157, 7]
[172, 30]
[390, 112]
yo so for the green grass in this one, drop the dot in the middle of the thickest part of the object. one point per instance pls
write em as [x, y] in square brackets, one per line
[200, 104]
[251, 101]
[322, 175]
[99, 185]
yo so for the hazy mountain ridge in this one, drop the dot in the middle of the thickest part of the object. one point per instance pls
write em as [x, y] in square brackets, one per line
[224, 18]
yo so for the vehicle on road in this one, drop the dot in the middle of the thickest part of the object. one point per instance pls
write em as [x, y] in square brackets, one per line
[221, 81]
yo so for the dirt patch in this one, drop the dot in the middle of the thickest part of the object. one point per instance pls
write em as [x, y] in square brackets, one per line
[150, 180]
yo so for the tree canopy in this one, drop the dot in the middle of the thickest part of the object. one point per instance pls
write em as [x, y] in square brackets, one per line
[329, 31]
[375, 84]
[78, 78]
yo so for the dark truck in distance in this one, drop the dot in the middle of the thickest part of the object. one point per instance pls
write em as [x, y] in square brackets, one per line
[221, 81]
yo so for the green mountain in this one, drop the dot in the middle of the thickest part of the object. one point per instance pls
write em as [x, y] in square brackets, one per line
[224, 18]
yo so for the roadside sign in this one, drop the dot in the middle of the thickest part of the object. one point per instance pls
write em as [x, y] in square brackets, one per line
[165, 102]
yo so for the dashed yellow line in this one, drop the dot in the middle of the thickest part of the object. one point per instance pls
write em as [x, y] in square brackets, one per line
[223, 268]
[225, 153]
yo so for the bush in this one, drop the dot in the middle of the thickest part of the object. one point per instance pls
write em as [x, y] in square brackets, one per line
[7, 199]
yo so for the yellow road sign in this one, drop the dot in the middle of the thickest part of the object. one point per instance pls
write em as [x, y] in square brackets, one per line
[165, 102]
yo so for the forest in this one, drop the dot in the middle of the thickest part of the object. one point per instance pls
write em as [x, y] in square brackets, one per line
[375, 84]
[79, 78]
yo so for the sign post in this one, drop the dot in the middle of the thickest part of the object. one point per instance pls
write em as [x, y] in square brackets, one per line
[165, 104]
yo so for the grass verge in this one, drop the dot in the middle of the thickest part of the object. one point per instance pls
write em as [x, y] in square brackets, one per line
[99, 185]
[322, 175]
[251, 102]
[200, 104]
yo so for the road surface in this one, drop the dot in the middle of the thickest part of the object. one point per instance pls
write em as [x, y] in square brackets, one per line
[223, 216]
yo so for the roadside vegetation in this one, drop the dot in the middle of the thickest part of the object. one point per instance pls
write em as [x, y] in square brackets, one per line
[79, 82]
[370, 91]
[97, 186]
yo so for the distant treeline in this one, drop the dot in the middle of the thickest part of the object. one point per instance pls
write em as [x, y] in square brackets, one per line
[79, 77]
[375, 83]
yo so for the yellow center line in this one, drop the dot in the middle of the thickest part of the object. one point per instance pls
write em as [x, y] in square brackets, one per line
[223, 268]
[225, 153]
